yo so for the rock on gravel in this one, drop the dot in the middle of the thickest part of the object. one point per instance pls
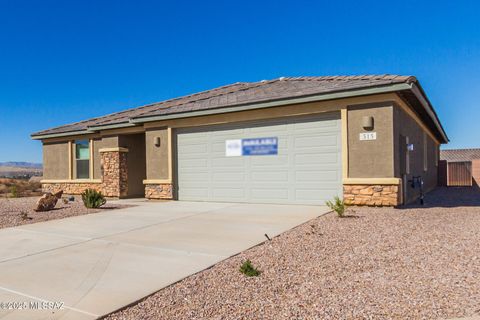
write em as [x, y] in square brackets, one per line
[380, 263]
[19, 211]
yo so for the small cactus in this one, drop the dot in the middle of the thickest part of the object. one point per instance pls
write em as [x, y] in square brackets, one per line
[93, 198]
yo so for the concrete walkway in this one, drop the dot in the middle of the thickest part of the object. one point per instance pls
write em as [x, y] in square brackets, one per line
[98, 263]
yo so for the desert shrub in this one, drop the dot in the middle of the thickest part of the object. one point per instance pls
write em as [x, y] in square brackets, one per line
[249, 270]
[14, 191]
[93, 199]
[338, 206]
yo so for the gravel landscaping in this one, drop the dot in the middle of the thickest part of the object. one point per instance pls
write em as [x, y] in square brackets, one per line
[379, 263]
[19, 211]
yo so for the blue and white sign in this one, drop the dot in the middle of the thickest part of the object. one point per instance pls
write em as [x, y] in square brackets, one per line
[259, 146]
[251, 147]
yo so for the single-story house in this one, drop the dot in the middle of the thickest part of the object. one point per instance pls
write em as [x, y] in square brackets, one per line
[459, 167]
[299, 140]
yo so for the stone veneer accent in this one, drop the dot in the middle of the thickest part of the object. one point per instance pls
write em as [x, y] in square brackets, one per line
[159, 191]
[114, 182]
[114, 173]
[70, 188]
[372, 195]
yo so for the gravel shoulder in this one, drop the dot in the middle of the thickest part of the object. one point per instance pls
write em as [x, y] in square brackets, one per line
[13, 210]
[380, 263]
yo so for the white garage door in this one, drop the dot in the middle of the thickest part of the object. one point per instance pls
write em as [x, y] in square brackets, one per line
[293, 161]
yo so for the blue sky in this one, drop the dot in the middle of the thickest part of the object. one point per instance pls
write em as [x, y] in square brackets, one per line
[65, 61]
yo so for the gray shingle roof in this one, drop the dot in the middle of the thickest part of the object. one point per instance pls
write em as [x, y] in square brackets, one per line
[457, 155]
[238, 94]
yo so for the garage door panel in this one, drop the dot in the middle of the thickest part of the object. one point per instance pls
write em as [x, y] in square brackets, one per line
[314, 195]
[228, 162]
[218, 147]
[306, 170]
[274, 176]
[269, 194]
[195, 193]
[195, 148]
[304, 129]
[229, 194]
[316, 158]
[228, 176]
[194, 176]
[194, 136]
[267, 161]
[317, 141]
[193, 163]
[316, 176]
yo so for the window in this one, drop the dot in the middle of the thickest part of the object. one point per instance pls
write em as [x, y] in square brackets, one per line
[82, 158]
[425, 152]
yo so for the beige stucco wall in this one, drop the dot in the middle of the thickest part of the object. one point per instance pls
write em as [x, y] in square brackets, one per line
[157, 157]
[372, 158]
[55, 160]
[135, 143]
[405, 125]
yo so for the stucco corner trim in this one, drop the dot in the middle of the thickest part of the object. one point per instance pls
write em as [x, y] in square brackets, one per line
[344, 119]
[157, 181]
[116, 149]
[72, 181]
[372, 181]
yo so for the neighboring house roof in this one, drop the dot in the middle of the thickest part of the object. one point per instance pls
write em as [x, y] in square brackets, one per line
[458, 155]
[244, 94]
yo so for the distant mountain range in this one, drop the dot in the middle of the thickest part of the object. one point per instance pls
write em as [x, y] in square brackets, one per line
[20, 164]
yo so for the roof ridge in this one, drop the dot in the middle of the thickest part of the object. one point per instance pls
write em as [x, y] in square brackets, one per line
[345, 77]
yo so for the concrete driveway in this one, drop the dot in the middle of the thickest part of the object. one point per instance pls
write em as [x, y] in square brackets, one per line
[98, 263]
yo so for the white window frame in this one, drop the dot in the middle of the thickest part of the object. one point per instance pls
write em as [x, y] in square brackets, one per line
[90, 159]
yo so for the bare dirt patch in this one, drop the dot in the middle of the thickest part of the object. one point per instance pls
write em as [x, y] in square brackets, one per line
[410, 263]
[19, 211]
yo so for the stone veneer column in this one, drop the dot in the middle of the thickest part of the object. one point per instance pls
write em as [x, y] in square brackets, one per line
[114, 172]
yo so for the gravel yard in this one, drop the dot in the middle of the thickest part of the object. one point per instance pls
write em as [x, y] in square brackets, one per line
[380, 263]
[13, 210]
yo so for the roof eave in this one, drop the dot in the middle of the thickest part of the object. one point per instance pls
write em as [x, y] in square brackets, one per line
[421, 96]
[89, 130]
[61, 134]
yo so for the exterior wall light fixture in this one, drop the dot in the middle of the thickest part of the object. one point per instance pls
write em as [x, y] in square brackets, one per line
[367, 122]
